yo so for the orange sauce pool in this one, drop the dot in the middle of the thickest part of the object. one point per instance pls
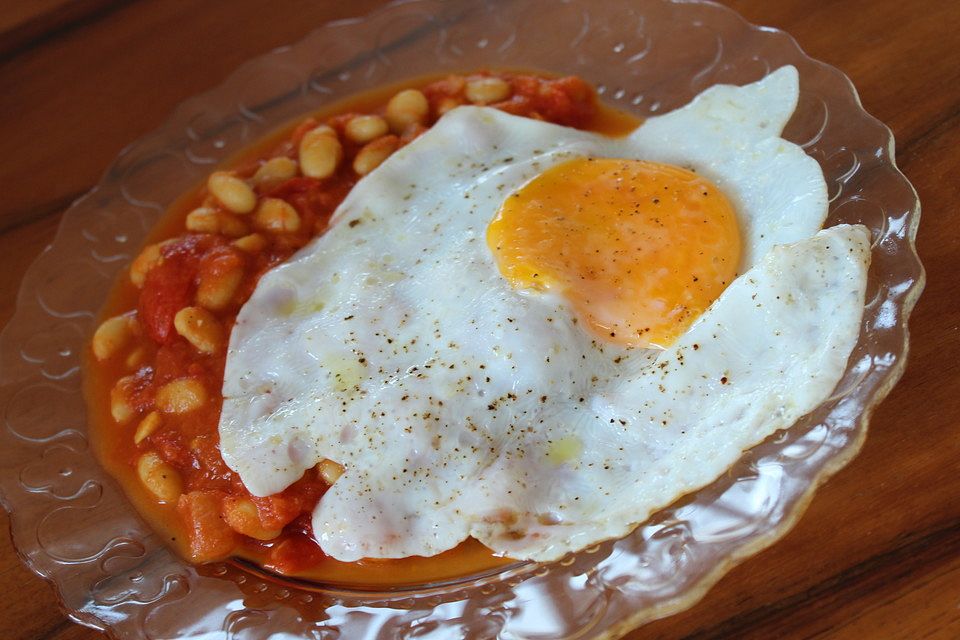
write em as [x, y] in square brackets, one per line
[113, 443]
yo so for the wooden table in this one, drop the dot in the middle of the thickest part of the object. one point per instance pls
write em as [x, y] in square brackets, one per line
[877, 555]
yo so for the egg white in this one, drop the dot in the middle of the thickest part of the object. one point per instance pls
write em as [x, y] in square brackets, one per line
[462, 407]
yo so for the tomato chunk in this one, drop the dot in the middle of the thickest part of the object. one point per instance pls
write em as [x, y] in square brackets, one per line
[294, 554]
[210, 536]
[169, 288]
[170, 285]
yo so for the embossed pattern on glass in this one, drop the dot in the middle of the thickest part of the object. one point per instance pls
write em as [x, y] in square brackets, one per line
[71, 522]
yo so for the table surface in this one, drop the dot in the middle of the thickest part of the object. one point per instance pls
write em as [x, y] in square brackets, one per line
[877, 555]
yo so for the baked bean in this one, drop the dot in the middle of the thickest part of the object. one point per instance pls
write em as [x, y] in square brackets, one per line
[219, 280]
[200, 328]
[374, 153]
[135, 358]
[407, 108]
[252, 243]
[329, 470]
[147, 426]
[232, 192]
[120, 407]
[275, 170]
[202, 220]
[451, 85]
[320, 152]
[148, 259]
[487, 90]
[232, 226]
[363, 129]
[159, 478]
[112, 335]
[181, 396]
[241, 514]
[277, 216]
[208, 220]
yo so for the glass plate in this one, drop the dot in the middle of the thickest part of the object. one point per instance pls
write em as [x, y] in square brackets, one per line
[74, 527]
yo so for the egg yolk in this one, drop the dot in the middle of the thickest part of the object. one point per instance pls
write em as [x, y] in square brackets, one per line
[638, 249]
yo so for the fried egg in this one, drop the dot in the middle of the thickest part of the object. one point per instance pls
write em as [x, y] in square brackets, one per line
[538, 336]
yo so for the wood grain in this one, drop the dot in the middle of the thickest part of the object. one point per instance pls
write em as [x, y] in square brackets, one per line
[877, 555]
[23, 22]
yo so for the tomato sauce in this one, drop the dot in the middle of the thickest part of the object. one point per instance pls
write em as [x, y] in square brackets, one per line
[214, 516]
